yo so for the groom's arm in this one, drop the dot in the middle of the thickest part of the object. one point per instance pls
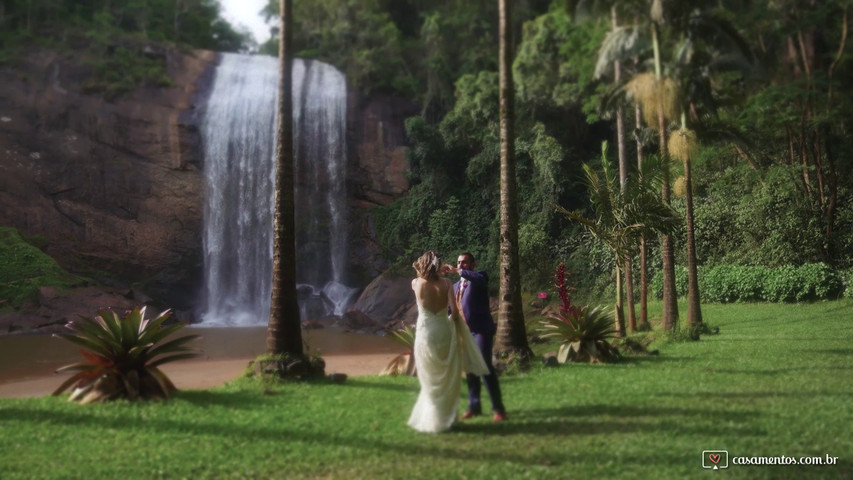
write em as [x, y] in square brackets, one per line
[474, 276]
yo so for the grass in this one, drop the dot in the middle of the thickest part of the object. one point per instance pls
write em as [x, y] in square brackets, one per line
[776, 381]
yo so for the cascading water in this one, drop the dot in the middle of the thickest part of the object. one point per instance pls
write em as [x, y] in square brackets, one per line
[239, 145]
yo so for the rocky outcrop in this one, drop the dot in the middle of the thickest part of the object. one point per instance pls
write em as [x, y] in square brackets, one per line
[388, 300]
[378, 174]
[114, 187]
[54, 307]
[377, 127]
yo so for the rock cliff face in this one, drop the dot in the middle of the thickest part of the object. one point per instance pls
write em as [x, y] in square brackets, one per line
[378, 167]
[116, 188]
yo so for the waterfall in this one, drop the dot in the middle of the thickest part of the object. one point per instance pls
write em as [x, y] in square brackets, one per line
[238, 133]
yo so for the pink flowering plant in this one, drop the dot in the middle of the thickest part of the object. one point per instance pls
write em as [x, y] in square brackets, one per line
[583, 332]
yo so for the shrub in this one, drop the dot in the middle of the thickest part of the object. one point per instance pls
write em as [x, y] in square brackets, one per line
[733, 283]
[680, 282]
[745, 283]
[781, 284]
[122, 355]
[818, 281]
[584, 337]
[583, 332]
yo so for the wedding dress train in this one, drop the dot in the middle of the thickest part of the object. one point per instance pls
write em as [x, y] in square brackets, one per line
[443, 350]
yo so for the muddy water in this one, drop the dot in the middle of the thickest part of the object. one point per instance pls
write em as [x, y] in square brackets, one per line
[29, 356]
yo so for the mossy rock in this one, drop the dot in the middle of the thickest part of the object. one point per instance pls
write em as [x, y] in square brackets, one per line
[24, 268]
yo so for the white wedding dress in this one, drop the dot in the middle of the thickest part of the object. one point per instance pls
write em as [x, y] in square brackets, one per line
[443, 350]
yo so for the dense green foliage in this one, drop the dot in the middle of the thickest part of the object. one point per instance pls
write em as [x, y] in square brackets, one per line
[122, 42]
[775, 381]
[24, 268]
[194, 23]
[770, 181]
[725, 283]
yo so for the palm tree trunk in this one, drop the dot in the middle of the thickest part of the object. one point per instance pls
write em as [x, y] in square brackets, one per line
[670, 297]
[644, 283]
[512, 335]
[670, 294]
[619, 314]
[629, 296]
[694, 309]
[284, 334]
[623, 176]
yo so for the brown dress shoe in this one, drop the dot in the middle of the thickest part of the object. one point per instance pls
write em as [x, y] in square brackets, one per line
[499, 417]
[468, 414]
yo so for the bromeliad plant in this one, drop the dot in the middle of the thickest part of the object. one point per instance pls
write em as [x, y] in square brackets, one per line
[122, 356]
[583, 332]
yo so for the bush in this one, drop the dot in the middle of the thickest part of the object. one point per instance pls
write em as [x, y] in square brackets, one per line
[818, 282]
[745, 283]
[680, 282]
[733, 283]
[584, 334]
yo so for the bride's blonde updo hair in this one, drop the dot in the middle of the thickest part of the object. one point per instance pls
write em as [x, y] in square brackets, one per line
[428, 266]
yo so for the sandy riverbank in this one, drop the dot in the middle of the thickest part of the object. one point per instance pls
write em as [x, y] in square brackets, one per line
[199, 374]
[27, 362]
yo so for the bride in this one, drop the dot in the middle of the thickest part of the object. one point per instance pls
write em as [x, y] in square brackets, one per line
[444, 348]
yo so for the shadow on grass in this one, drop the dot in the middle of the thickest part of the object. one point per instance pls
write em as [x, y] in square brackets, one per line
[236, 399]
[780, 371]
[612, 419]
[544, 423]
[652, 359]
[758, 395]
[366, 382]
[834, 351]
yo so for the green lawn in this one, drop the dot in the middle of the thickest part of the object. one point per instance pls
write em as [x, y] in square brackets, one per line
[776, 381]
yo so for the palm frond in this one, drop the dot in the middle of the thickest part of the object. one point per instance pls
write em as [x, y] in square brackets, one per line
[620, 44]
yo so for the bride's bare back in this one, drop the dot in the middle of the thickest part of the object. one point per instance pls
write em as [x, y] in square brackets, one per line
[435, 295]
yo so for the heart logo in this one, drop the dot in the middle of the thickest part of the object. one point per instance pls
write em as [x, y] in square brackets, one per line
[715, 457]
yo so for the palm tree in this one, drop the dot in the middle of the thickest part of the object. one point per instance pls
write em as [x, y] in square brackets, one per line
[512, 334]
[682, 146]
[707, 44]
[620, 39]
[624, 46]
[622, 214]
[284, 333]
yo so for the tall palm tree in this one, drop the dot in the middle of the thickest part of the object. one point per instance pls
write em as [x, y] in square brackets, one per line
[643, 324]
[621, 43]
[621, 143]
[284, 333]
[654, 94]
[682, 146]
[512, 334]
[622, 213]
[661, 101]
[706, 44]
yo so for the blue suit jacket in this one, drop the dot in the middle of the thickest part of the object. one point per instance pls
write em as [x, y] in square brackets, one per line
[475, 302]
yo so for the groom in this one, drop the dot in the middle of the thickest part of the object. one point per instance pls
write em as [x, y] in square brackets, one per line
[472, 293]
